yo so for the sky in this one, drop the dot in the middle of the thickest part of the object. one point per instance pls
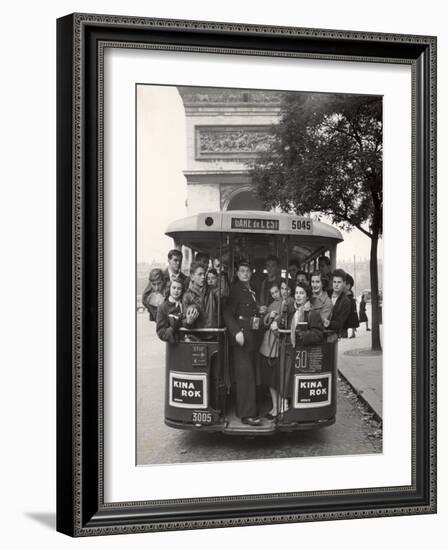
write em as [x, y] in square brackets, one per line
[161, 186]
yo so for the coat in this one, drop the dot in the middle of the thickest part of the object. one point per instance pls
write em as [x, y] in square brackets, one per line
[322, 304]
[340, 313]
[205, 300]
[269, 344]
[314, 334]
[241, 306]
[353, 320]
[169, 319]
[362, 312]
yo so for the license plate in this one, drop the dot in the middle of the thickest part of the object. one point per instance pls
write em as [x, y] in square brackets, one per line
[201, 417]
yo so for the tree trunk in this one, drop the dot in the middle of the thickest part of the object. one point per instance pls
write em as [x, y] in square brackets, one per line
[376, 341]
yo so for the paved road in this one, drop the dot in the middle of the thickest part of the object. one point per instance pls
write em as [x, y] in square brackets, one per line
[354, 432]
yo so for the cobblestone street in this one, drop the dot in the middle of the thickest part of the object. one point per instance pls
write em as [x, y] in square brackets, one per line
[355, 430]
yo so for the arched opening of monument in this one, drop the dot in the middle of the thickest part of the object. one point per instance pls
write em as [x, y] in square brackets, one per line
[245, 200]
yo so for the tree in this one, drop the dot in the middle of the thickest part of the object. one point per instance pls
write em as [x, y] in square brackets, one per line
[326, 156]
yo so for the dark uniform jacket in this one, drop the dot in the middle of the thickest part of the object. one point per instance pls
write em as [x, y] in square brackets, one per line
[362, 311]
[352, 319]
[169, 319]
[241, 307]
[340, 313]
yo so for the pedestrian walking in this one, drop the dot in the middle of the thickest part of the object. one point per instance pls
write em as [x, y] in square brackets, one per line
[353, 320]
[362, 312]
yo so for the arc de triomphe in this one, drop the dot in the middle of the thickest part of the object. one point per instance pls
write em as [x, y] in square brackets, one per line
[226, 128]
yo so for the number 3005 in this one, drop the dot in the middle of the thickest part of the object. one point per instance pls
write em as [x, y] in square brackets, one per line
[202, 417]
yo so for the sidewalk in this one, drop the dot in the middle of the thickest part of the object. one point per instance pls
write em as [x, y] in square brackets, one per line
[362, 370]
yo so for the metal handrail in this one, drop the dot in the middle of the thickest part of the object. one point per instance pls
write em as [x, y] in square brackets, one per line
[288, 331]
[184, 329]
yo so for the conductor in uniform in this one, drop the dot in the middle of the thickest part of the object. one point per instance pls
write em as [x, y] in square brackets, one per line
[240, 317]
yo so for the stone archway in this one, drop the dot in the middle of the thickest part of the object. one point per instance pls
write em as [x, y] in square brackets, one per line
[243, 198]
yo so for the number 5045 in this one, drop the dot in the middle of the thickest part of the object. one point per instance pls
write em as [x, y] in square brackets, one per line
[301, 225]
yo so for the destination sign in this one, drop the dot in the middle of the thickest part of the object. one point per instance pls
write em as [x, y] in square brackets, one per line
[312, 391]
[255, 224]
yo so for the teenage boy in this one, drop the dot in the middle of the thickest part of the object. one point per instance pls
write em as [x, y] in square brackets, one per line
[200, 302]
[173, 271]
[341, 304]
[201, 258]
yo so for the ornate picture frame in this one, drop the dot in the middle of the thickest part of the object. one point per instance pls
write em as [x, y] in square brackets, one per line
[81, 42]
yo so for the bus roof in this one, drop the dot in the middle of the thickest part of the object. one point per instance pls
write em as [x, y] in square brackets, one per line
[251, 222]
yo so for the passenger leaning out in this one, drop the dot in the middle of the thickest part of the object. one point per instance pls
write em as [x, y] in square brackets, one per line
[169, 314]
[200, 302]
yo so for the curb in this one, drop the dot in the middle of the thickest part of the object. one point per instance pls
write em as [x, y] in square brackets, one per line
[360, 395]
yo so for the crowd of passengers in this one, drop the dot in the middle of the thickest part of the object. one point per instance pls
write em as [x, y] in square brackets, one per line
[174, 300]
[254, 307]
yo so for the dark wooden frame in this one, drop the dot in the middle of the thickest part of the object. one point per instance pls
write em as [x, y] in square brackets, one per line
[81, 39]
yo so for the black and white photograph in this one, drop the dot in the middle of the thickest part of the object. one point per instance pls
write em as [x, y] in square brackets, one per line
[258, 274]
[228, 214]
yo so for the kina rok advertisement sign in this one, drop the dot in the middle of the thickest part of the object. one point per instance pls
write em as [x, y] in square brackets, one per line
[312, 390]
[188, 390]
